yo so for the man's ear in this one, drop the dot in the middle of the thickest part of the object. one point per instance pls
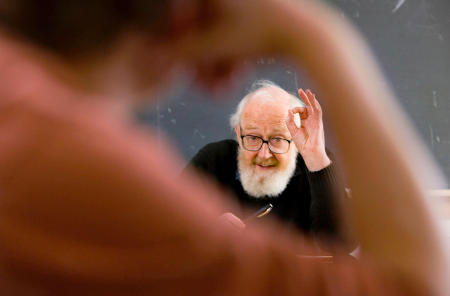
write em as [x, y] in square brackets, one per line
[237, 130]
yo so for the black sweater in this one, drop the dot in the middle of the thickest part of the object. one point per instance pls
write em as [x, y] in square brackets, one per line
[307, 202]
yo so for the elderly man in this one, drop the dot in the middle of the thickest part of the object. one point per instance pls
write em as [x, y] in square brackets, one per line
[276, 160]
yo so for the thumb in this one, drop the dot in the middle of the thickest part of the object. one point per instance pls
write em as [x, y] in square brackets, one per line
[293, 123]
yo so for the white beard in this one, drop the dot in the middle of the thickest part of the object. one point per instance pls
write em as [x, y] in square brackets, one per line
[271, 183]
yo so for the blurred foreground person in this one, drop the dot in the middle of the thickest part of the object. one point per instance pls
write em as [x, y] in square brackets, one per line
[89, 205]
[274, 161]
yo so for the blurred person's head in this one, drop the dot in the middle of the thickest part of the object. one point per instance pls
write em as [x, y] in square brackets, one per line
[265, 168]
[75, 28]
[114, 47]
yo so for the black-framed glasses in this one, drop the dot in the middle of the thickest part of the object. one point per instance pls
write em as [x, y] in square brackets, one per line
[254, 143]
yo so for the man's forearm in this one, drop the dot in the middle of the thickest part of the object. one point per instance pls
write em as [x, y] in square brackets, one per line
[316, 162]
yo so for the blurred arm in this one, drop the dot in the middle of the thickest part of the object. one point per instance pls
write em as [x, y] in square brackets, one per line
[385, 162]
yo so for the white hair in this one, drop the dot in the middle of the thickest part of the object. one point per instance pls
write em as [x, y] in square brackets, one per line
[258, 85]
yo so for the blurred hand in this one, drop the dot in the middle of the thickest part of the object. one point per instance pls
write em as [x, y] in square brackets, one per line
[309, 138]
[222, 34]
[229, 218]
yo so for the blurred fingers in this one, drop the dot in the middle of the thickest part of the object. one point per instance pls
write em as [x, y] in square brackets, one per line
[229, 218]
[219, 76]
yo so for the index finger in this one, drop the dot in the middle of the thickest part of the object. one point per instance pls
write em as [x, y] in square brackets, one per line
[302, 111]
[304, 97]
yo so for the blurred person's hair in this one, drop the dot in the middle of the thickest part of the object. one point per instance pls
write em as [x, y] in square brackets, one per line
[74, 27]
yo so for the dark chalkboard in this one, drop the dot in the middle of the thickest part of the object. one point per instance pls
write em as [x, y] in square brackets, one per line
[411, 41]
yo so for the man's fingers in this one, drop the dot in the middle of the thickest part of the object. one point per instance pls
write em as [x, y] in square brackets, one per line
[295, 131]
[304, 97]
[302, 111]
[308, 102]
[294, 115]
[312, 98]
[290, 122]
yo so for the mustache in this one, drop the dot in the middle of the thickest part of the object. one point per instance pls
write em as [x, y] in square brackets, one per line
[266, 162]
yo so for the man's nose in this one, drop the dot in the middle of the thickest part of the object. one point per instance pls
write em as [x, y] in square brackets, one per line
[264, 152]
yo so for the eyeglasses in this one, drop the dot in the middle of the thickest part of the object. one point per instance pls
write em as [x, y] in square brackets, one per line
[254, 143]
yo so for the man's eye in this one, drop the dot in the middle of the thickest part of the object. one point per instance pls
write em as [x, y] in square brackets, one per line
[276, 140]
[253, 138]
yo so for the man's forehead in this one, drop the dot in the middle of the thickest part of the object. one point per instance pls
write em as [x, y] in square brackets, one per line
[264, 124]
[266, 111]
[257, 110]
[276, 126]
